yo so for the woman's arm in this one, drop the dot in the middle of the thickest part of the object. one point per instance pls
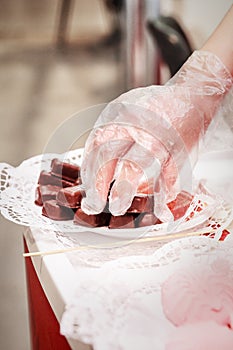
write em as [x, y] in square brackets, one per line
[221, 41]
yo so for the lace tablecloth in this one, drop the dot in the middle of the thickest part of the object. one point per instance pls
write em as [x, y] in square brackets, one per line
[166, 294]
[179, 297]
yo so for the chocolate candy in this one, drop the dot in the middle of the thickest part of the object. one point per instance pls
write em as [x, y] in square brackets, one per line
[180, 204]
[83, 219]
[56, 212]
[122, 221]
[147, 219]
[78, 181]
[70, 196]
[46, 178]
[66, 171]
[141, 204]
[38, 199]
[45, 193]
[60, 192]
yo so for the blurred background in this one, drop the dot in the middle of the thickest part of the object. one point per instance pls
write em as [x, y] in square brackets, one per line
[58, 57]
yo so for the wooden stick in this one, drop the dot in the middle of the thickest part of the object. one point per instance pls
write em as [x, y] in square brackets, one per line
[112, 245]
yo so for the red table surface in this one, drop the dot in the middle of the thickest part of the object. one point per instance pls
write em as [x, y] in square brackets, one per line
[44, 327]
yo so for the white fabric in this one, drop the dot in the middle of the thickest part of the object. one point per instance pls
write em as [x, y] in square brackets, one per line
[117, 303]
[119, 306]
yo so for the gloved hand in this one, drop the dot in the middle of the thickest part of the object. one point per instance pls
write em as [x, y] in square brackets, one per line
[143, 138]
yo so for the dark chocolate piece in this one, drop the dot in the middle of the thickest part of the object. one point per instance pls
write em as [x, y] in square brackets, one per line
[45, 193]
[46, 178]
[56, 212]
[122, 221]
[64, 170]
[70, 196]
[141, 204]
[83, 219]
[180, 204]
[147, 219]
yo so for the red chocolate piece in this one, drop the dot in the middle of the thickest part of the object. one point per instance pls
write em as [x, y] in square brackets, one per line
[225, 233]
[141, 204]
[147, 219]
[78, 181]
[83, 219]
[70, 196]
[123, 221]
[45, 193]
[180, 204]
[66, 171]
[56, 212]
[38, 199]
[47, 178]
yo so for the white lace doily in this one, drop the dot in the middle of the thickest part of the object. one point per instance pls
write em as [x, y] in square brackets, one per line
[17, 197]
[120, 307]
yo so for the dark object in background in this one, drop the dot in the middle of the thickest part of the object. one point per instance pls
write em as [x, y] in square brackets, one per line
[65, 10]
[171, 40]
[114, 5]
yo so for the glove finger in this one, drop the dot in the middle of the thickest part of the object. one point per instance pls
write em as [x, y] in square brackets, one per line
[170, 175]
[170, 197]
[161, 209]
[137, 167]
[96, 195]
[98, 167]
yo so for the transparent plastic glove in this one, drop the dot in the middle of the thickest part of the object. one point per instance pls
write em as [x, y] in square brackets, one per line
[144, 137]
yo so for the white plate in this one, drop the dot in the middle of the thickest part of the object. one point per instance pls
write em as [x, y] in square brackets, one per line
[18, 193]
